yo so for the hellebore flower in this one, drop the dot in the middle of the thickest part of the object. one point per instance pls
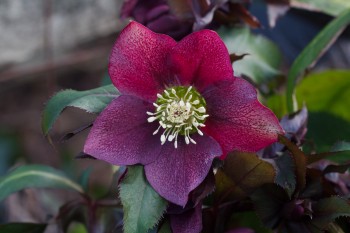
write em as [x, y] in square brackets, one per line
[180, 107]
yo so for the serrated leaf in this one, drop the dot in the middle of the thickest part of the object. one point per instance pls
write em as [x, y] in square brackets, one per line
[22, 227]
[35, 176]
[285, 176]
[331, 7]
[241, 174]
[328, 209]
[262, 60]
[143, 207]
[93, 101]
[313, 51]
[269, 201]
[300, 162]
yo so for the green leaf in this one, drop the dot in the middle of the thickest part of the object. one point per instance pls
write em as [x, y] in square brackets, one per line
[241, 174]
[247, 219]
[263, 59]
[277, 104]
[332, 7]
[324, 129]
[35, 176]
[300, 161]
[269, 201]
[143, 207]
[328, 209]
[341, 146]
[165, 228]
[93, 101]
[285, 175]
[326, 92]
[77, 227]
[22, 227]
[313, 51]
[84, 178]
[338, 157]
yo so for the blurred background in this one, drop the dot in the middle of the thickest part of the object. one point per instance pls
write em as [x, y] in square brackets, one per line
[50, 45]
[47, 46]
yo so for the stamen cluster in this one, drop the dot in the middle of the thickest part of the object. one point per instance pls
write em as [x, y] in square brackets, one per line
[179, 110]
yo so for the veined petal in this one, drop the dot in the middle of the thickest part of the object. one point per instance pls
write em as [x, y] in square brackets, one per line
[121, 134]
[237, 120]
[138, 62]
[201, 59]
[177, 172]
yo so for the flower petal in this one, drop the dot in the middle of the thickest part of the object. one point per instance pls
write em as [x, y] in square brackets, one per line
[188, 222]
[201, 59]
[237, 120]
[121, 134]
[177, 172]
[137, 65]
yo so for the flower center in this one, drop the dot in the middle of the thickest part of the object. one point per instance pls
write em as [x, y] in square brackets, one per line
[180, 111]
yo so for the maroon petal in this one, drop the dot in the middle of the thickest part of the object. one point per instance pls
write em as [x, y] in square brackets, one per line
[178, 171]
[121, 134]
[188, 222]
[201, 59]
[137, 64]
[237, 120]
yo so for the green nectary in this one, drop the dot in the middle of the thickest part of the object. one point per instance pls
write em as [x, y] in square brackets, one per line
[180, 110]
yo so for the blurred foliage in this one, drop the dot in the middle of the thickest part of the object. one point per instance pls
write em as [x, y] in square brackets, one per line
[22, 227]
[38, 176]
[263, 58]
[10, 149]
[326, 92]
[332, 7]
[312, 52]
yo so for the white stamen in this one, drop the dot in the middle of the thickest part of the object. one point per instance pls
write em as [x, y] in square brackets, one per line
[155, 132]
[199, 132]
[201, 110]
[151, 119]
[162, 139]
[178, 116]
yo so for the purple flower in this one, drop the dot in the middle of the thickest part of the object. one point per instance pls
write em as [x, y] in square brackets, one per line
[180, 107]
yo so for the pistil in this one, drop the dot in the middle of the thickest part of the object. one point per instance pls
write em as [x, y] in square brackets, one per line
[179, 111]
